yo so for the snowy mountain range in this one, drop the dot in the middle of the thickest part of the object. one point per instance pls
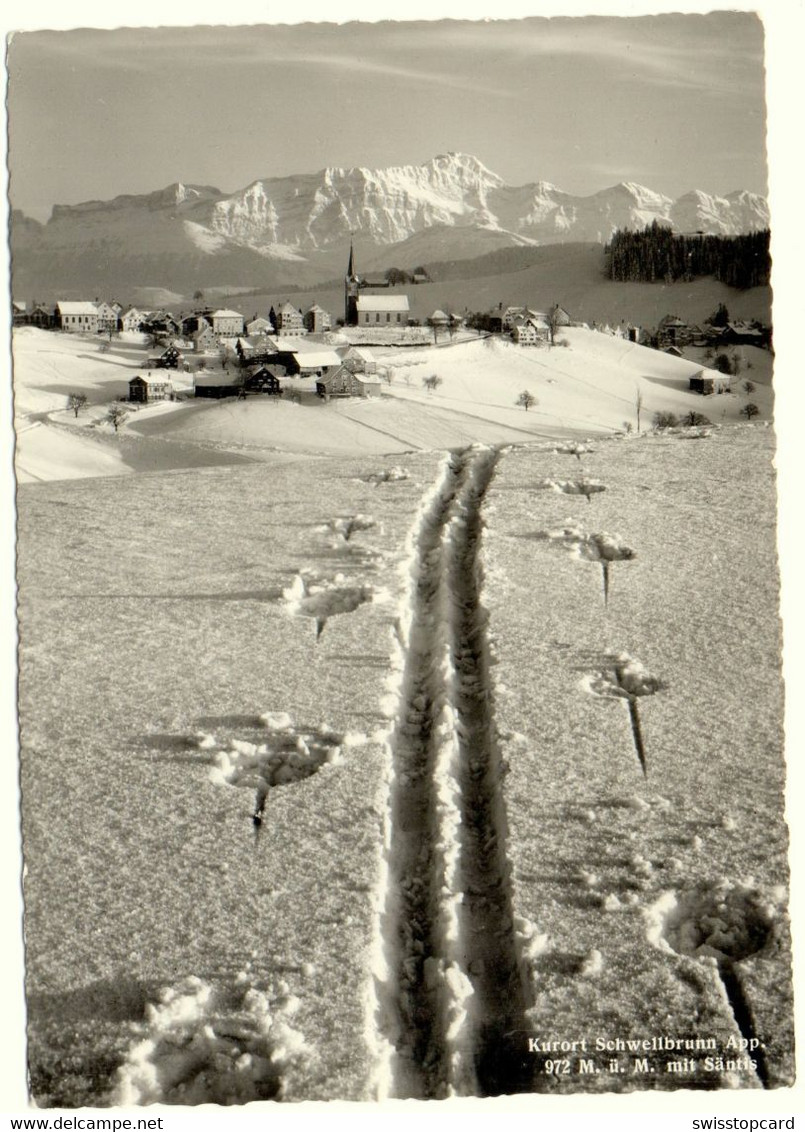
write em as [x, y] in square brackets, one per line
[303, 223]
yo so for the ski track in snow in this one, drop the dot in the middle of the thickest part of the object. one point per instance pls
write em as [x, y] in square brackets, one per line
[449, 990]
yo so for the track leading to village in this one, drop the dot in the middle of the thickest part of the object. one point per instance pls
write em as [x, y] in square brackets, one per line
[451, 1002]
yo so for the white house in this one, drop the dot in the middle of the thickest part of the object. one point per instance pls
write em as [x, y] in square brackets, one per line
[289, 320]
[107, 316]
[530, 331]
[132, 319]
[226, 323]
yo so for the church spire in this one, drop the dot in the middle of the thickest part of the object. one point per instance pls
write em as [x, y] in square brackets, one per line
[351, 287]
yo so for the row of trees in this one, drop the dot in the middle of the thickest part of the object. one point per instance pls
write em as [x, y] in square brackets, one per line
[665, 419]
[658, 255]
[397, 276]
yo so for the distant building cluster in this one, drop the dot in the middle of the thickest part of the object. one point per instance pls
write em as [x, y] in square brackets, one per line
[254, 356]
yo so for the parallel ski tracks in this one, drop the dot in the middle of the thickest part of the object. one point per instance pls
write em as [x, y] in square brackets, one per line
[451, 1004]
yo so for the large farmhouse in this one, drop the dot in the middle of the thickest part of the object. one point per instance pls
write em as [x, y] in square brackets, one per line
[289, 320]
[342, 382]
[226, 323]
[147, 389]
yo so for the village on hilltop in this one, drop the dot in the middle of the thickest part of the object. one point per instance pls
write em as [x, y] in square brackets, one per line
[227, 355]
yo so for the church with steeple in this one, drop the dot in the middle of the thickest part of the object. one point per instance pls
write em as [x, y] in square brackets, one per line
[352, 286]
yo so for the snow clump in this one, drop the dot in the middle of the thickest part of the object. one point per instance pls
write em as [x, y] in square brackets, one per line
[582, 486]
[622, 676]
[718, 920]
[205, 1045]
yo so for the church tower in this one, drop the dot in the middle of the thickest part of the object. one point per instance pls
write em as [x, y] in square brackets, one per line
[351, 287]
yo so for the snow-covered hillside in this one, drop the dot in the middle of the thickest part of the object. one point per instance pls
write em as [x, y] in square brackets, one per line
[591, 385]
[385, 745]
[338, 761]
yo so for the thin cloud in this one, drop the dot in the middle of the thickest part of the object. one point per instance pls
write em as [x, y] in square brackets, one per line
[143, 50]
[391, 70]
[724, 52]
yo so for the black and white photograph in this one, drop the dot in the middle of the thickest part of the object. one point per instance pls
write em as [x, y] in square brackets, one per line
[405, 546]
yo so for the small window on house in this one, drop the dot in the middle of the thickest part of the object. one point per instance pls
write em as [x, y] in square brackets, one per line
[377, 318]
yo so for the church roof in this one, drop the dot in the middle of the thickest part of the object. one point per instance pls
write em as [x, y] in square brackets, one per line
[383, 303]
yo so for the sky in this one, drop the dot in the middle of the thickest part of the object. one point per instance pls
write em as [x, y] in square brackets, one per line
[674, 102]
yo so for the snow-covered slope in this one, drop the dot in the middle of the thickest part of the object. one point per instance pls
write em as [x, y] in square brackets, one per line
[589, 386]
[248, 695]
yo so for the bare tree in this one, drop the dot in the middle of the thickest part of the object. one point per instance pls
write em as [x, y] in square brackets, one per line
[638, 404]
[695, 420]
[76, 402]
[431, 382]
[526, 399]
[750, 410]
[116, 416]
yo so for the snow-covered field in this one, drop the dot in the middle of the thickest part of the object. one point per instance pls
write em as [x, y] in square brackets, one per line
[362, 771]
[589, 386]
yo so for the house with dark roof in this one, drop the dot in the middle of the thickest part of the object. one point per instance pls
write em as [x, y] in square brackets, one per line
[150, 388]
[672, 331]
[217, 385]
[262, 379]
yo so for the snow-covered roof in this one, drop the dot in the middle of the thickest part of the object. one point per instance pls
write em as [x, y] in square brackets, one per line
[163, 379]
[439, 316]
[367, 378]
[261, 342]
[356, 352]
[314, 359]
[77, 308]
[206, 379]
[290, 344]
[256, 367]
[383, 303]
[227, 314]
